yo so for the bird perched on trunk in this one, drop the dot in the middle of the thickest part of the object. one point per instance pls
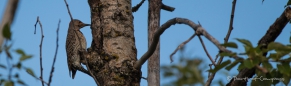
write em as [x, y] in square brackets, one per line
[75, 42]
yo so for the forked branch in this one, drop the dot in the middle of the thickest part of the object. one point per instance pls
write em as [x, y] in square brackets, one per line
[165, 26]
[40, 49]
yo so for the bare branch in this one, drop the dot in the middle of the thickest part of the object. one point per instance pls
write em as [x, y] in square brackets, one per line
[55, 57]
[167, 8]
[166, 26]
[225, 39]
[135, 8]
[204, 48]
[231, 22]
[40, 49]
[69, 10]
[181, 45]
[41, 80]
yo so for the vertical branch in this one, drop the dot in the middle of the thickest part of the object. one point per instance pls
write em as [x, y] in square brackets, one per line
[55, 57]
[40, 49]
[231, 22]
[211, 77]
[8, 15]
[153, 24]
[69, 11]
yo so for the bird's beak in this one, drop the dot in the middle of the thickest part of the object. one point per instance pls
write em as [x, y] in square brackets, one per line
[87, 24]
[84, 25]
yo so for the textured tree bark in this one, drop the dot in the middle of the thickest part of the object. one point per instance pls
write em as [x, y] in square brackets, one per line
[113, 50]
[153, 24]
[272, 33]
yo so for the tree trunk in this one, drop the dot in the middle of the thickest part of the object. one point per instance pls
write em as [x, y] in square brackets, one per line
[113, 50]
[8, 16]
[153, 24]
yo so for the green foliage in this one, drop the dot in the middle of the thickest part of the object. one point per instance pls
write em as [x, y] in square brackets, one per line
[218, 67]
[256, 59]
[6, 31]
[12, 78]
[288, 3]
[230, 44]
[187, 74]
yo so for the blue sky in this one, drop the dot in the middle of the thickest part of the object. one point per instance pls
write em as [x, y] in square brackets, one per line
[252, 19]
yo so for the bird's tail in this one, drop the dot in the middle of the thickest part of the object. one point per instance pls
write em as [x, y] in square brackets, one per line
[80, 68]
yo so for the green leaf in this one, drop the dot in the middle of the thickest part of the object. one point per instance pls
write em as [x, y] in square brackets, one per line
[255, 83]
[287, 68]
[289, 2]
[276, 74]
[25, 57]
[227, 54]
[19, 51]
[284, 68]
[230, 44]
[6, 31]
[218, 67]
[232, 65]
[18, 65]
[20, 82]
[30, 72]
[247, 49]
[275, 45]
[286, 80]
[245, 42]
[9, 83]
[267, 65]
[248, 63]
[241, 66]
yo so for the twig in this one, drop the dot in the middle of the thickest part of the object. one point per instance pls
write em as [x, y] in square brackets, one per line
[225, 40]
[210, 66]
[135, 8]
[40, 49]
[264, 70]
[55, 57]
[41, 80]
[231, 22]
[167, 8]
[203, 45]
[165, 26]
[181, 45]
[69, 10]
[37, 78]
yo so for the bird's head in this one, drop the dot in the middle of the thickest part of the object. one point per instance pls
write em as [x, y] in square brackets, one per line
[79, 24]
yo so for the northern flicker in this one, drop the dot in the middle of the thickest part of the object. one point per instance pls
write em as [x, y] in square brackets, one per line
[75, 42]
